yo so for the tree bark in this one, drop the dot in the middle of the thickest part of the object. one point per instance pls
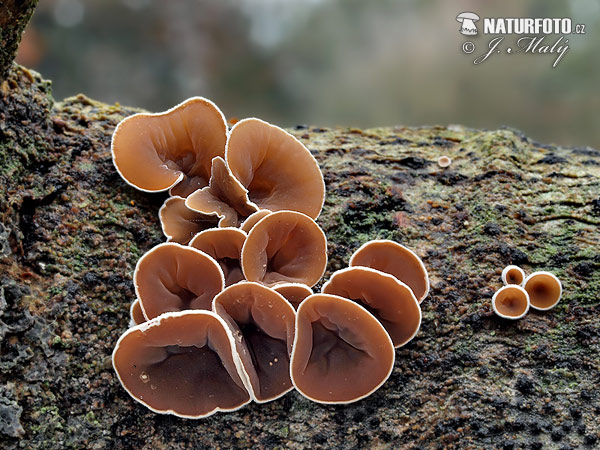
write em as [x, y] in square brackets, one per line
[71, 232]
[14, 17]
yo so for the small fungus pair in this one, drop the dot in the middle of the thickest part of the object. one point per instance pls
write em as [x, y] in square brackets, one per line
[540, 290]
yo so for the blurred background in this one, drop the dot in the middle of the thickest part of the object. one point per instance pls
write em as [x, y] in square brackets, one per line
[322, 62]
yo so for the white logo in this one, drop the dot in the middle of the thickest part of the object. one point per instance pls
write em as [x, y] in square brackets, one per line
[468, 20]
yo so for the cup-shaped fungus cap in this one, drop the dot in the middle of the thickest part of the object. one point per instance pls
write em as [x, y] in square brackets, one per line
[224, 197]
[511, 302]
[341, 352]
[180, 224]
[397, 260]
[294, 293]
[285, 246]
[181, 363]
[170, 150]
[171, 277]
[277, 170]
[224, 245]
[253, 219]
[388, 299]
[262, 322]
[513, 275]
[544, 290]
[136, 315]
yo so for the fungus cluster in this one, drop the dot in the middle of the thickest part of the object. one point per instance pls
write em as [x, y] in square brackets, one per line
[540, 290]
[225, 312]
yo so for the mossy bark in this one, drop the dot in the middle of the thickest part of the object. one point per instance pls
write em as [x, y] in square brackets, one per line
[72, 231]
[14, 16]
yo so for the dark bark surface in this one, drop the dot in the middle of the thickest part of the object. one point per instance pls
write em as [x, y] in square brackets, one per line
[14, 16]
[72, 231]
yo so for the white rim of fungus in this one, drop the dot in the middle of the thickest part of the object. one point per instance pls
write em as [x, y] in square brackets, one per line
[508, 269]
[246, 377]
[171, 244]
[386, 275]
[243, 225]
[427, 283]
[550, 274]
[213, 230]
[293, 284]
[268, 216]
[357, 398]
[158, 114]
[511, 286]
[156, 322]
[314, 161]
[132, 322]
[161, 213]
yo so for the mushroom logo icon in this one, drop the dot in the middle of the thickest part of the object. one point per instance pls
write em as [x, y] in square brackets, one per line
[468, 20]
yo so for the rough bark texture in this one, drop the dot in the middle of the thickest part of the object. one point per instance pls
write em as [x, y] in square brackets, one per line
[71, 232]
[14, 16]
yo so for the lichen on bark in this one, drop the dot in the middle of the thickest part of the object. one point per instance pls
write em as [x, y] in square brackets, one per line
[73, 231]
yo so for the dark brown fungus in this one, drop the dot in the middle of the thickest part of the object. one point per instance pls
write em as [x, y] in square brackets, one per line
[136, 314]
[294, 293]
[389, 300]
[171, 277]
[544, 290]
[512, 275]
[225, 246]
[180, 224]
[285, 246]
[341, 352]
[170, 150]
[511, 302]
[262, 322]
[397, 260]
[277, 170]
[181, 363]
[224, 197]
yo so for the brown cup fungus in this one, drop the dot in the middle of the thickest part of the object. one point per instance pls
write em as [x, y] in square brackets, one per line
[341, 352]
[512, 275]
[389, 300]
[253, 219]
[262, 322]
[171, 277]
[397, 260]
[294, 293]
[224, 245]
[285, 246]
[180, 224]
[224, 197]
[170, 150]
[511, 302]
[544, 290]
[181, 363]
[136, 315]
[277, 170]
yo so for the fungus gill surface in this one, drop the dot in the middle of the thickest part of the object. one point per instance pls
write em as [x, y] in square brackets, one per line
[341, 353]
[397, 260]
[181, 363]
[262, 322]
[276, 168]
[388, 299]
[544, 290]
[224, 245]
[511, 302]
[171, 277]
[170, 150]
[285, 246]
